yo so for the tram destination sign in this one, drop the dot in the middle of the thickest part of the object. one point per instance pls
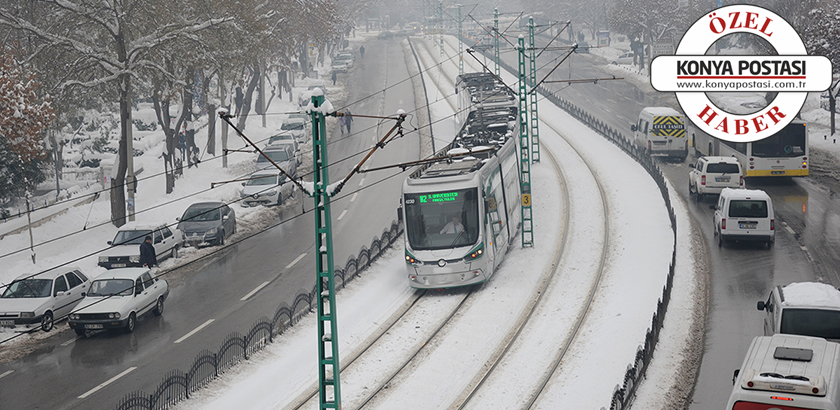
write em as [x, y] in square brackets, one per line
[439, 197]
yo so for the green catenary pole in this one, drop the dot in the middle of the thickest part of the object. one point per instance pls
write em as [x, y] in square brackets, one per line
[535, 119]
[524, 152]
[328, 366]
[496, 39]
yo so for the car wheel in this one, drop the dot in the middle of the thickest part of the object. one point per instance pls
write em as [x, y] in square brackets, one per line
[691, 190]
[720, 241]
[174, 253]
[158, 307]
[80, 332]
[129, 324]
[47, 321]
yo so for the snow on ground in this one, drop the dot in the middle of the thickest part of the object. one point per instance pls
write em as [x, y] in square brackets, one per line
[637, 264]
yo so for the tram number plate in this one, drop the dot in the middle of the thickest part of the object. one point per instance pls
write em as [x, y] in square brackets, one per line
[747, 226]
[722, 179]
[526, 199]
[777, 172]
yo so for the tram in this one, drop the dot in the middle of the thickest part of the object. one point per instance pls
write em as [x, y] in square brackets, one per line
[784, 154]
[461, 215]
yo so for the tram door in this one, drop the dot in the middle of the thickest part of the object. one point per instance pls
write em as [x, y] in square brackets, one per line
[496, 216]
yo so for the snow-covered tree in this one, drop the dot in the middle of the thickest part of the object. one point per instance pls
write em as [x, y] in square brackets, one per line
[24, 115]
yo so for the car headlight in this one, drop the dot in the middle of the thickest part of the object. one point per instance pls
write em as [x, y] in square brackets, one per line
[113, 316]
[27, 314]
[103, 259]
[211, 231]
[134, 258]
[272, 191]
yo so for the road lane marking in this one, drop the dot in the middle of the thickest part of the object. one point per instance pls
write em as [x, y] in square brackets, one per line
[257, 289]
[353, 198]
[6, 373]
[362, 181]
[68, 342]
[788, 228]
[194, 331]
[109, 381]
[342, 214]
[296, 260]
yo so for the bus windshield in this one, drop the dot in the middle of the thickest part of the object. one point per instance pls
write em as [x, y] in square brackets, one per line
[790, 142]
[812, 322]
[442, 220]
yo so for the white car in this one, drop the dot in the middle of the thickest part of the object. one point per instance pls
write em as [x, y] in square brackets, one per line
[125, 248]
[296, 127]
[709, 175]
[266, 188]
[117, 298]
[626, 58]
[40, 300]
[285, 138]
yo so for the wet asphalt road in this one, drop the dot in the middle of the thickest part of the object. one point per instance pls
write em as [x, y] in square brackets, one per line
[63, 371]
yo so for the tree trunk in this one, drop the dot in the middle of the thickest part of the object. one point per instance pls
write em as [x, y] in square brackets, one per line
[186, 114]
[162, 112]
[249, 93]
[211, 116]
[118, 183]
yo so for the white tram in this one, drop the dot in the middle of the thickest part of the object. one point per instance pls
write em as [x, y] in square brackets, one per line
[461, 215]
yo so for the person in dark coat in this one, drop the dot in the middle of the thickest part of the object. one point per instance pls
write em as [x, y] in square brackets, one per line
[147, 253]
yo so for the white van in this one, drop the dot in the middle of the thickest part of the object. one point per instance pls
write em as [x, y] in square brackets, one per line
[787, 372]
[744, 215]
[661, 131]
[709, 175]
[804, 308]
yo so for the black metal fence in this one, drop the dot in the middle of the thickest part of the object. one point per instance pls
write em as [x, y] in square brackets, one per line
[624, 393]
[177, 385]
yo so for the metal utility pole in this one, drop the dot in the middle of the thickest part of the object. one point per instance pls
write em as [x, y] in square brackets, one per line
[440, 25]
[524, 152]
[328, 366]
[496, 39]
[460, 41]
[29, 224]
[535, 119]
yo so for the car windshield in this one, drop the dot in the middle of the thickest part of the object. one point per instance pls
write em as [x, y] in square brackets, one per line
[111, 287]
[722, 169]
[812, 322]
[276, 156]
[28, 288]
[441, 220]
[134, 237]
[292, 126]
[262, 180]
[748, 208]
[202, 214]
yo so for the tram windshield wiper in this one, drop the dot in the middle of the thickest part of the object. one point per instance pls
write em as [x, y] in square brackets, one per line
[458, 236]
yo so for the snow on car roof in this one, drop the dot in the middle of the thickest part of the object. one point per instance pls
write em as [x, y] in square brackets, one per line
[663, 111]
[52, 273]
[811, 294]
[745, 193]
[134, 226]
[123, 273]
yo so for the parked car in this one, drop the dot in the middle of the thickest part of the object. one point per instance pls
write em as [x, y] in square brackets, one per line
[744, 215]
[338, 66]
[125, 248]
[347, 57]
[207, 223]
[296, 127]
[305, 97]
[40, 300]
[282, 155]
[285, 138]
[804, 308]
[385, 35]
[709, 175]
[626, 58]
[266, 188]
[582, 47]
[117, 298]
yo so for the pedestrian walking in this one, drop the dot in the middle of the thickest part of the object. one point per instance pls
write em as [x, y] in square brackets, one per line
[182, 145]
[333, 77]
[147, 253]
[349, 120]
[362, 51]
[342, 121]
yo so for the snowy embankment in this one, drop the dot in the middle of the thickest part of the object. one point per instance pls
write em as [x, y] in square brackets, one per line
[636, 267]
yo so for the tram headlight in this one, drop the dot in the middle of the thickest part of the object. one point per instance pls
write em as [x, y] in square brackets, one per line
[410, 259]
[475, 253]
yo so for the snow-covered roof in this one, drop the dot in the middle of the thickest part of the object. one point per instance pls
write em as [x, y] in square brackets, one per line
[662, 111]
[123, 273]
[744, 193]
[811, 294]
[135, 226]
[50, 274]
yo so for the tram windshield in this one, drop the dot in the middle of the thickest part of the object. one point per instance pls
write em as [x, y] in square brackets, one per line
[790, 142]
[441, 220]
